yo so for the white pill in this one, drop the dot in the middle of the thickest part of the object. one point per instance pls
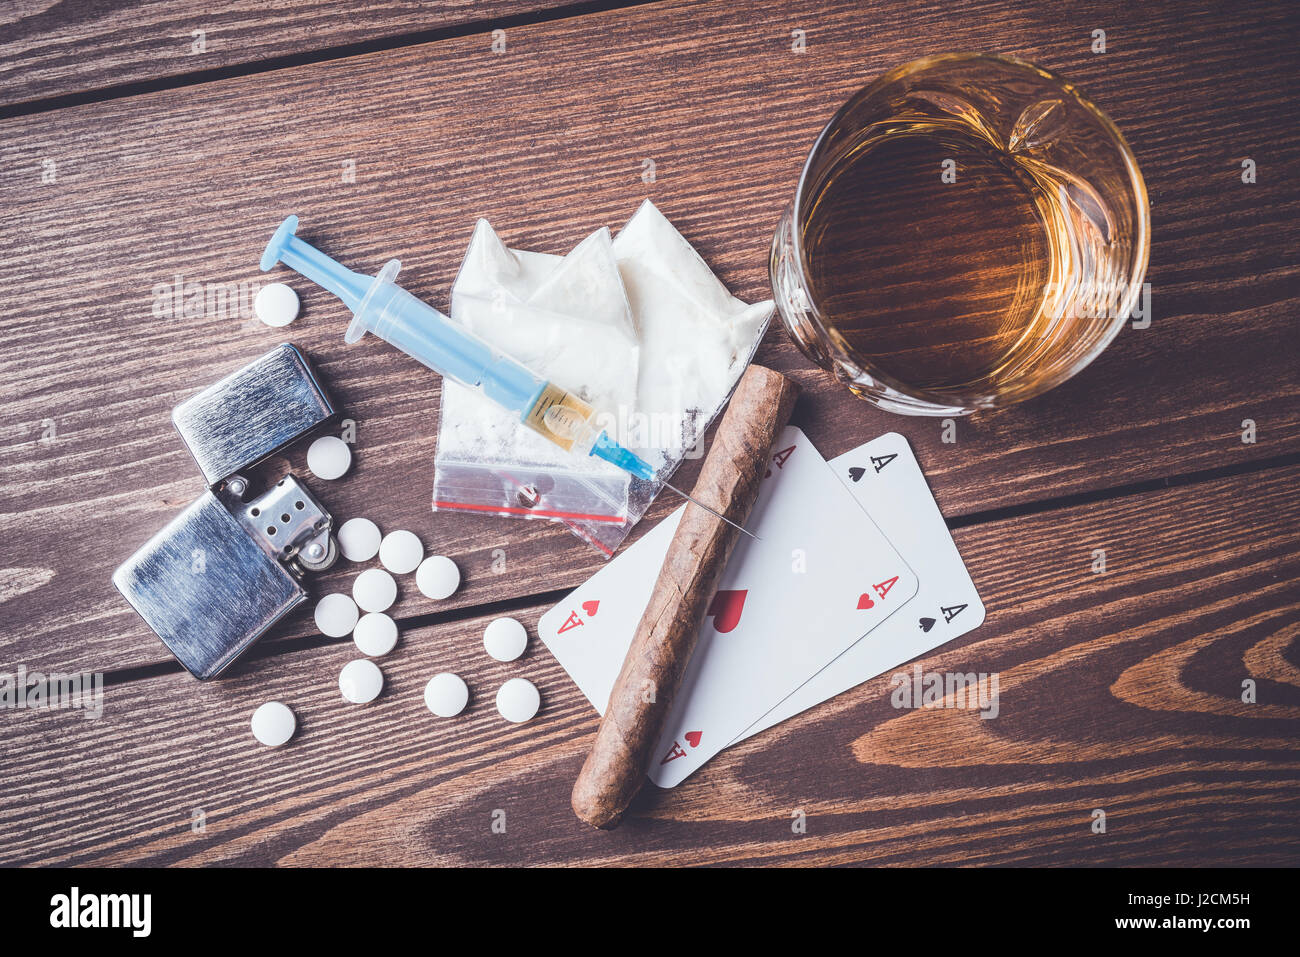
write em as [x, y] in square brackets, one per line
[375, 634]
[446, 695]
[401, 551]
[518, 700]
[328, 457]
[273, 724]
[336, 615]
[375, 590]
[361, 681]
[505, 639]
[276, 304]
[437, 576]
[359, 539]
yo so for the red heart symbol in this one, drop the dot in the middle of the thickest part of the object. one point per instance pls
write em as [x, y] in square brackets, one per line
[590, 607]
[725, 609]
[693, 738]
[864, 601]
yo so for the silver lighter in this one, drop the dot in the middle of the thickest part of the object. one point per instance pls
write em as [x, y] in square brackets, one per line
[226, 569]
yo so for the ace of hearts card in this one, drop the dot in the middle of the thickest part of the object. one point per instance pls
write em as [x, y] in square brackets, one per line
[821, 576]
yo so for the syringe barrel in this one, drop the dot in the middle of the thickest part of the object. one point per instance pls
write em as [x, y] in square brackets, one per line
[425, 334]
[428, 336]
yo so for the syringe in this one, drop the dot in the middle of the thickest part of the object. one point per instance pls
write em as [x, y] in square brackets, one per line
[382, 307]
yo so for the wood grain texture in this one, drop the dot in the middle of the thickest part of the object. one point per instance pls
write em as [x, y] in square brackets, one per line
[50, 49]
[1119, 691]
[548, 142]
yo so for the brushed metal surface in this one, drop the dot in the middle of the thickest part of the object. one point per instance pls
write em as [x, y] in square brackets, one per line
[206, 587]
[252, 413]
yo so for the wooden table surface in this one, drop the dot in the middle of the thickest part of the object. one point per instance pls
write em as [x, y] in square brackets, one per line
[136, 150]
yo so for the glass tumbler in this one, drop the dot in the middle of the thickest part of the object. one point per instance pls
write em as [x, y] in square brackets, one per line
[968, 231]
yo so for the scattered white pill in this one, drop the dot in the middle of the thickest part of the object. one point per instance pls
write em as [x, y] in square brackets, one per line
[361, 681]
[359, 539]
[401, 551]
[276, 304]
[437, 577]
[446, 695]
[375, 634]
[375, 590]
[505, 639]
[273, 724]
[328, 457]
[336, 615]
[518, 700]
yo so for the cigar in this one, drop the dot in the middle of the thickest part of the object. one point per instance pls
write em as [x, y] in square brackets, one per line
[661, 649]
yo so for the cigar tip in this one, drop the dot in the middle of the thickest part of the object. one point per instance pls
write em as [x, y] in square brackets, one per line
[593, 812]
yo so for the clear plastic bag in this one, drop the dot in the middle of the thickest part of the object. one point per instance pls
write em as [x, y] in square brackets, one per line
[638, 326]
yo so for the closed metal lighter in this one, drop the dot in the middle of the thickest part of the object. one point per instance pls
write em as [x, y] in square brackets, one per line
[227, 568]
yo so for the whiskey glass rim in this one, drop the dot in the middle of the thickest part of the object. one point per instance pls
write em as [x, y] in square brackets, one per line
[944, 402]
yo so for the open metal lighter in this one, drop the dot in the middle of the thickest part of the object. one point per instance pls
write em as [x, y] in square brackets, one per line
[226, 568]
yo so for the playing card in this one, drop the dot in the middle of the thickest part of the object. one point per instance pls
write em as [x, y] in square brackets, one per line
[590, 630]
[886, 479]
[821, 576]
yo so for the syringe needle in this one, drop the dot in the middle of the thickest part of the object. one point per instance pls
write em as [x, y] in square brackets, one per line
[712, 511]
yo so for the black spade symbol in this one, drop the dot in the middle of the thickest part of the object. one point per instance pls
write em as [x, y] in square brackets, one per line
[927, 624]
[856, 473]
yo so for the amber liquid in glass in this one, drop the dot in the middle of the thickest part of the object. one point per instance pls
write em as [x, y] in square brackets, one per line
[929, 251]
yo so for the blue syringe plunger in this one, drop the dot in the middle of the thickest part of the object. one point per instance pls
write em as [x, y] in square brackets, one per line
[305, 258]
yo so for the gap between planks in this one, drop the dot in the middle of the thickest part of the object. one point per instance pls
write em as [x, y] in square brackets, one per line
[316, 640]
[286, 61]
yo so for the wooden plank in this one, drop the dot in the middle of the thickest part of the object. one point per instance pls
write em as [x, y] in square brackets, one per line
[1119, 691]
[548, 142]
[50, 50]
